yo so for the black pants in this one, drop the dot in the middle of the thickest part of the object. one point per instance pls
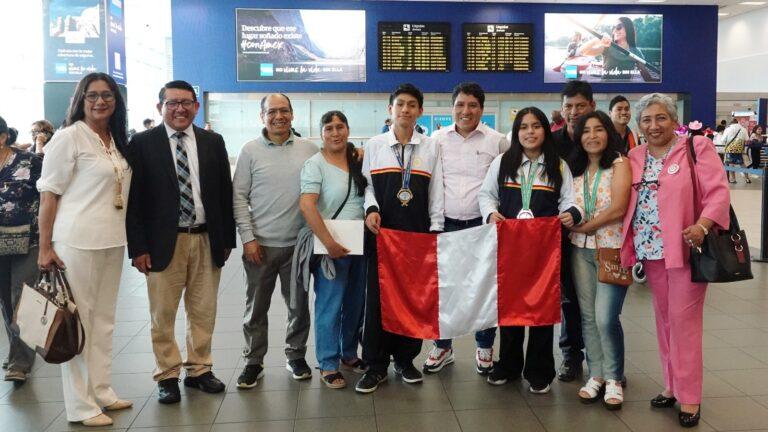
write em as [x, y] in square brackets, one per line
[538, 364]
[379, 344]
[571, 342]
[754, 154]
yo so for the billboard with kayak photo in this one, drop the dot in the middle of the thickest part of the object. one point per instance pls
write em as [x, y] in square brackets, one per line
[621, 48]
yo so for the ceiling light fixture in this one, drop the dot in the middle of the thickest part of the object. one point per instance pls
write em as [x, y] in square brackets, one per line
[723, 14]
[752, 3]
[651, 1]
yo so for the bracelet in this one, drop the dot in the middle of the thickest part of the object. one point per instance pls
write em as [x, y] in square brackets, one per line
[706, 231]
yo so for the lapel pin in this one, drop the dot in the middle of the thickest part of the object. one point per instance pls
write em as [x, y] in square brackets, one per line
[673, 169]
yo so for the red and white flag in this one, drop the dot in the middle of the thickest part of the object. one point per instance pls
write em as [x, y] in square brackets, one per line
[441, 286]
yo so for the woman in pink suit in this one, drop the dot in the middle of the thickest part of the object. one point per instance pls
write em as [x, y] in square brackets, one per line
[659, 229]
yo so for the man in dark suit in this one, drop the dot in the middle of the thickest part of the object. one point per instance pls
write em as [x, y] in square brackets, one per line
[180, 232]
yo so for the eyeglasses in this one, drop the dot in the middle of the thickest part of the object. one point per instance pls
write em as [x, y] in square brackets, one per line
[106, 96]
[651, 185]
[173, 104]
[276, 111]
[619, 26]
[36, 132]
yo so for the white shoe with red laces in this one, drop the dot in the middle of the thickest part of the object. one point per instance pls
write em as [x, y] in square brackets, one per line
[484, 360]
[438, 359]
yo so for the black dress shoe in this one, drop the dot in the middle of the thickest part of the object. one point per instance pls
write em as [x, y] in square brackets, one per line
[206, 382]
[568, 371]
[168, 391]
[662, 401]
[688, 420]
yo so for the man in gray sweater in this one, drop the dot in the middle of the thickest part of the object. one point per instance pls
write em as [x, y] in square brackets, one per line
[266, 208]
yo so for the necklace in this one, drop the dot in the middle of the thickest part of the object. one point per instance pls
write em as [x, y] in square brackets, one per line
[114, 159]
[666, 152]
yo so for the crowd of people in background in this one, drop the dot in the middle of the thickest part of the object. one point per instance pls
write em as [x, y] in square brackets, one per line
[85, 193]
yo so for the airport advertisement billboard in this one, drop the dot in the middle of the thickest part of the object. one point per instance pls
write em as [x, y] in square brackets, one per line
[617, 48]
[300, 45]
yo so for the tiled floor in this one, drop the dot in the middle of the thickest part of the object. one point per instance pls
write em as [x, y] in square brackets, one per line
[735, 385]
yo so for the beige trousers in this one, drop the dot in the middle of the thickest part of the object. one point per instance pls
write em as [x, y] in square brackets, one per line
[192, 273]
[94, 276]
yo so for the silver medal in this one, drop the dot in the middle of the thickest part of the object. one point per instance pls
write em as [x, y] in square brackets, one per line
[525, 214]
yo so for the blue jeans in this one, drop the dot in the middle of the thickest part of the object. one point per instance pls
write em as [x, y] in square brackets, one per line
[484, 338]
[600, 305]
[339, 312]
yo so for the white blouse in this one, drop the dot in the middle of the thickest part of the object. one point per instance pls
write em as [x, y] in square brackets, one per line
[77, 167]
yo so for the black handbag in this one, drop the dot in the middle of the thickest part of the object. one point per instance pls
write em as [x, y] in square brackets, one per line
[724, 254]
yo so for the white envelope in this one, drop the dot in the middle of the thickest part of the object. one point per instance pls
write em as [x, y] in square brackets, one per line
[348, 233]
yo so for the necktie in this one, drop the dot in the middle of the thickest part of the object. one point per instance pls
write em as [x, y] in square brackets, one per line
[187, 202]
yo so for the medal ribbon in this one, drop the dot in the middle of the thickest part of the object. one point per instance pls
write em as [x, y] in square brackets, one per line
[406, 171]
[590, 199]
[526, 184]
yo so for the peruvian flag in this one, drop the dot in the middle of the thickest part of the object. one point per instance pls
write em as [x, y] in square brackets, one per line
[441, 286]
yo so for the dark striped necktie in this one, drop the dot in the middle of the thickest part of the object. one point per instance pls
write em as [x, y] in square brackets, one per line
[187, 201]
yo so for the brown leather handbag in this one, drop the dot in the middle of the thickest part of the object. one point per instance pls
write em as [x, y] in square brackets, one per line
[610, 270]
[47, 319]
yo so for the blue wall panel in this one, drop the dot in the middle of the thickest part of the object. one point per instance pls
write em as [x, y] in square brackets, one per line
[204, 51]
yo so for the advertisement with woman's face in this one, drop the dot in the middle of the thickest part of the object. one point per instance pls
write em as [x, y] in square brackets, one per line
[602, 47]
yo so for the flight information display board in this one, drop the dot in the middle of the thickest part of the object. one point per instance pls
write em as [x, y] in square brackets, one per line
[414, 47]
[497, 47]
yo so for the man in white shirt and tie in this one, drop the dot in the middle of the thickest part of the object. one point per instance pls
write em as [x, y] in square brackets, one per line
[468, 147]
[180, 231]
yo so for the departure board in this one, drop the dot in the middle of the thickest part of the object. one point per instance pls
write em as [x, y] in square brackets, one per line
[498, 47]
[414, 47]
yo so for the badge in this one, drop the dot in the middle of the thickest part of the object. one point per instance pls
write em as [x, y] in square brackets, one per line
[405, 196]
[525, 214]
[673, 169]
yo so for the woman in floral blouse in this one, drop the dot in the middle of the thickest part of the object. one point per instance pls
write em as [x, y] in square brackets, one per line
[19, 200]
[602, 180]
[659, 229]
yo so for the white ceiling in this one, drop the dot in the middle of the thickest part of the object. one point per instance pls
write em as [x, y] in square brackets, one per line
[731, 7]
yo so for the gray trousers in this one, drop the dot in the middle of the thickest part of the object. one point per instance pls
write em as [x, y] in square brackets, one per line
[15, 270]
[276, 262]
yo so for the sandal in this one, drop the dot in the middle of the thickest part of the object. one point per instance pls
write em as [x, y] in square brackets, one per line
[355, 365]
[590, 393]
[614, 395]
[334, 380]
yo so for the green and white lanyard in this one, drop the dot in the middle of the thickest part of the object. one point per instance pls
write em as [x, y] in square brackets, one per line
[590, 198]
[526, 190]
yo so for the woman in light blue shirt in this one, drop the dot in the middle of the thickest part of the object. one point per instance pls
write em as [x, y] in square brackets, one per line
[332, 187]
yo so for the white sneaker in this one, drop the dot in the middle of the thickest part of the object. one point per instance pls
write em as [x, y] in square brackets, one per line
[438, 359]
[484, 360]
[539, 390]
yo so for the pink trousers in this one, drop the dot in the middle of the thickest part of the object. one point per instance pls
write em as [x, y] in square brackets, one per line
[679, 307]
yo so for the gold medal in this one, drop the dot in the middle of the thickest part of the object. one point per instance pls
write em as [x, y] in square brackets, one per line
[405, 196]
